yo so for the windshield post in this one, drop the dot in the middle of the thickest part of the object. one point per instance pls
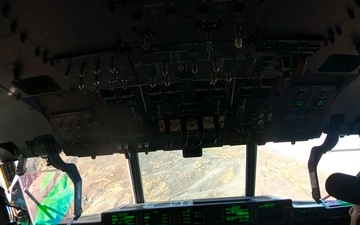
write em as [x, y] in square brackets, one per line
[251, 157]
[135, 173]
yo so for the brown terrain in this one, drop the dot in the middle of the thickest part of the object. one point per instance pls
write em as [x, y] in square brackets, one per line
[167, 175]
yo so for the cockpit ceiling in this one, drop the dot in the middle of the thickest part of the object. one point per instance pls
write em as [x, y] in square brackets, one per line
[106, 75]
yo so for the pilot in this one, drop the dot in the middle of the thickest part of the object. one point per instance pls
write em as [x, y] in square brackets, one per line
[354, 214]
[346, 187]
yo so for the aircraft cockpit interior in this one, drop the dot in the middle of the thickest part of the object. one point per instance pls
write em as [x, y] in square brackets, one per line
[179, 112]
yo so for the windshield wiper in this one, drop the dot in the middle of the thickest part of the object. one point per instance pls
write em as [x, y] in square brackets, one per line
[46, 147]
[331, 140]
[71, 170]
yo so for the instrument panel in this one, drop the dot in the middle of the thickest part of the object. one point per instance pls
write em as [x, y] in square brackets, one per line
[227, 211]
[214, 212]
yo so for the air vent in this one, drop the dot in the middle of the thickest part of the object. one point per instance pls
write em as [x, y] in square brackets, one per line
[37, 85]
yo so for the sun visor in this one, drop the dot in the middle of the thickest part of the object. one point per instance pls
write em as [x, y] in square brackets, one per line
[340, 64]
[37, 85]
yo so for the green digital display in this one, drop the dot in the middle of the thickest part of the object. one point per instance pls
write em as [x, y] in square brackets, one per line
[299, 103]
[254, 118]
[218, 94]
[246, 93]
[321, 102]
[174, 98]
[131, 101]
[236, 214]
[158, 217]
[189, 216]
[267, 205]
[157, 99]
[269, 211]
[123, 218]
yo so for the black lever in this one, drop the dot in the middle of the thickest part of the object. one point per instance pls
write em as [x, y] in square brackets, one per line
[200, 124]
[217, 128]
[184, 133]
[168, 133]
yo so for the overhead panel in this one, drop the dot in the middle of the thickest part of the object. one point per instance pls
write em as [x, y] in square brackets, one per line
[178, 74]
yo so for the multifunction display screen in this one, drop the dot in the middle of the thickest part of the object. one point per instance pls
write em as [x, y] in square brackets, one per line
[123, 218]
[192, 216]
[237, 214]
[158, 217]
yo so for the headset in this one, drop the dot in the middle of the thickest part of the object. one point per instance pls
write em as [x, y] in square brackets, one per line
[347, 188]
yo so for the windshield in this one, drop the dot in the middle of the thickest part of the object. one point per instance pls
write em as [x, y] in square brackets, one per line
[49, 192]
[166, 175]
[220, 172]
[282, 167]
